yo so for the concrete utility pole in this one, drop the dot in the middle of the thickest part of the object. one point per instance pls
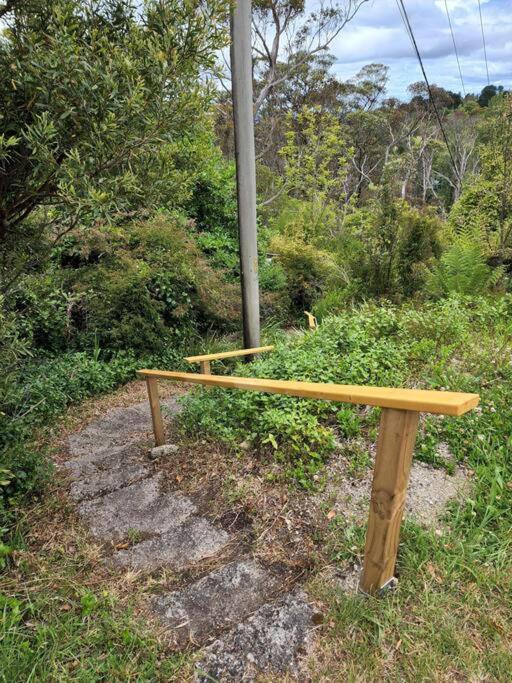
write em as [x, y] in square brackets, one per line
[241, 83]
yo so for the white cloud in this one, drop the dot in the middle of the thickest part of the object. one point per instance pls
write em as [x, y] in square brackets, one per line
[377, 34]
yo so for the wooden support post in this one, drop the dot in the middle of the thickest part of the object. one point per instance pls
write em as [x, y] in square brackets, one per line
[393, 461]
[156, 415]
[204, 367]
[311, 320]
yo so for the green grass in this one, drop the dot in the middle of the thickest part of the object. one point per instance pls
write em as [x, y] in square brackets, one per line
[64, 618]
[449, 619]
[71, 634]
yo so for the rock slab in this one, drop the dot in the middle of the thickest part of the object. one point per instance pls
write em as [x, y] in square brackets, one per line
[97, 482]
[216, 602]
[180, 546]
[140, 507]
[269, 642]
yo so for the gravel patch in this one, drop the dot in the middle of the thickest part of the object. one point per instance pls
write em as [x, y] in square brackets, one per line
[429, 491]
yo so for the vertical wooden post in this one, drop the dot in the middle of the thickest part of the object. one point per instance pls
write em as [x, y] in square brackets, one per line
[156, 415]
[204, 367]
[393, 461]
[311, 320]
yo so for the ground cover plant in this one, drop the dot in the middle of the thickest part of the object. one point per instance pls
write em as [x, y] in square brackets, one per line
[455, 583]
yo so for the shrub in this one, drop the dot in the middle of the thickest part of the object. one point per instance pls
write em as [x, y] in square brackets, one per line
[335, 301]
[388, 246]
[462, 270]
[373, 345]
[42, 307]
[213, 202]
[151, 288]
[349, 349]
[308, 270]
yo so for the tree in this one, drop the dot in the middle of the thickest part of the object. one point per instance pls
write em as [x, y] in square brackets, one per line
[96, 97]
[315, 163]
[287, 35]
[488, 92]
[462, 132]
[485, 205]
[291, 63]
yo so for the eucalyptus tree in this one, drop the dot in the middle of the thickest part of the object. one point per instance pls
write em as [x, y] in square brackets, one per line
[289, 33]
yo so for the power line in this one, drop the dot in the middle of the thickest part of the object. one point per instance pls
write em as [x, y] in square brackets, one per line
[454, 46]
[483, 41]
[405, 17]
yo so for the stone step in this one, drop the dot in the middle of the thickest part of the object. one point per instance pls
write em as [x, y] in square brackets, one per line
[216, 602]
[180, 546]
[269, 642]
[140, 507]
[98, 482]
[117, 427]
[105, 459]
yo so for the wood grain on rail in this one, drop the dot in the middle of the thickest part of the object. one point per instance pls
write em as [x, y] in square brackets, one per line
[419, 400]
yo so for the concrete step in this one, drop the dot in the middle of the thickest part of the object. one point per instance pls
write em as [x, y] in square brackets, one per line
[139, 507]
[104, 460]
[216, 602]
[269, 642]
[119, 426]
[98, 482]
[182, 545]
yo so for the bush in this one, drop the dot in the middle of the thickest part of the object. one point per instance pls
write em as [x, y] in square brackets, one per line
[355, 348]
[42, 308]
[462, 270]
[213, 202]
[308, 270]
[336, 301]
[388, 247]
[151, 288]
[370, 345]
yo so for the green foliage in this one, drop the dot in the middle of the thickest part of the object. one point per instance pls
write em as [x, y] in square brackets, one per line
[337, 300]
[221, 248]
[307, 269]
[42, 305]
[477, 210]
[462, 270]
[145, 287]
[485, 205]
[349, 422]
[314, 154]
[213, 201]
[388, 246]
[102, 112]
[430, 346]
[64, 632]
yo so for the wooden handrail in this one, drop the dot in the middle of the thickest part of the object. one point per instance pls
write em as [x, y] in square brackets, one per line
[420, 400]
[205, 359]
[393, 459]
[228, 354]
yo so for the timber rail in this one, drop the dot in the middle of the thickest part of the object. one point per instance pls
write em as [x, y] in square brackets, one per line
[204, 360]
[395, 446]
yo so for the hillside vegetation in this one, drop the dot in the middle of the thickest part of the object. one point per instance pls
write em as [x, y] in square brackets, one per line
[119, 249]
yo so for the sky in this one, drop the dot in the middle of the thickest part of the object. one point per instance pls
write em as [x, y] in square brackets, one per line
[377, 34]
